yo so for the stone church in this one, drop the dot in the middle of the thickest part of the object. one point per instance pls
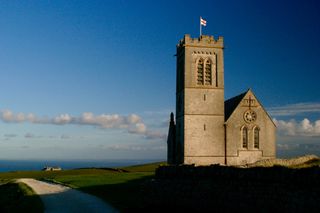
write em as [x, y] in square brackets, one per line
[207, 129]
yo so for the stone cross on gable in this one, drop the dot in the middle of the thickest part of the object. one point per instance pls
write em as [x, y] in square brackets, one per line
[249, 101]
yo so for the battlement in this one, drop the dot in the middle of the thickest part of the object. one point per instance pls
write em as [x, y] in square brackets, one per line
[203, 41]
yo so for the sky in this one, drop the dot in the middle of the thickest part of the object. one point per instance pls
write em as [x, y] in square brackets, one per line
[96, 79]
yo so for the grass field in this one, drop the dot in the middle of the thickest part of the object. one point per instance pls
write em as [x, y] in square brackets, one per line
[119, 187]
[135, 188]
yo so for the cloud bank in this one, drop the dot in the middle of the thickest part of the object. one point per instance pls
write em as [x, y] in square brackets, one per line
[294, 109]
[302, 128]
[132, 123]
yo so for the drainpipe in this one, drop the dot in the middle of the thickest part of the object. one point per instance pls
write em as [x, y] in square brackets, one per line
[225, 144]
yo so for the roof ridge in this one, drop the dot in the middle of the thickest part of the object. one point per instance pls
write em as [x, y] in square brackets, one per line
[231, 104]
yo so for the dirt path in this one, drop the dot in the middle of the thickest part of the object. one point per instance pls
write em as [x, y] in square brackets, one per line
[58, 198]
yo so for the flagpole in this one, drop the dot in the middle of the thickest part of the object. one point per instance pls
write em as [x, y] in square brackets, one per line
[200, 27]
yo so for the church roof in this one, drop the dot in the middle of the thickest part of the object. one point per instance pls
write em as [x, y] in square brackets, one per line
[231, 104]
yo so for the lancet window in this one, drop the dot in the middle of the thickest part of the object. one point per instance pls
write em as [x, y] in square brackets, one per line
[256, 132]
[245, 137]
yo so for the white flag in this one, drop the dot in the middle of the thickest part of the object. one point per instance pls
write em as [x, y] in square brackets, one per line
[203, 22]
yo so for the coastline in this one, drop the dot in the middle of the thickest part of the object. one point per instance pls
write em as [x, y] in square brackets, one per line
[37, 165]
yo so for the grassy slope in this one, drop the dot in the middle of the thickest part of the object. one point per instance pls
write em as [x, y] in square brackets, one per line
[150, 167]
[128, 190]
[121, 188]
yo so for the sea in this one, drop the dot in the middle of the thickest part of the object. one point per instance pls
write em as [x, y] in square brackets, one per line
[37, 165]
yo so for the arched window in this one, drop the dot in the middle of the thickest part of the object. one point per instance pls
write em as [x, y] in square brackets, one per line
[245, 137]
[208, 75]
[256, 137]
[200, 72]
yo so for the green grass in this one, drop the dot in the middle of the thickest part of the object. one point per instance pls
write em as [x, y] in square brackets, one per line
[121, 188]
[131, 189]
[18, 197]
[150, 167]
[100, 178]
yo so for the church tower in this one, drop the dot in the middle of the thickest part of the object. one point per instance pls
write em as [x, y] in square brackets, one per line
[200, 135]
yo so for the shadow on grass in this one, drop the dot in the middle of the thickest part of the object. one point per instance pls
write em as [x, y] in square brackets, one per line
[71, 200]
[126, 197]
[251, 190]
[228, 189]
[13, 198]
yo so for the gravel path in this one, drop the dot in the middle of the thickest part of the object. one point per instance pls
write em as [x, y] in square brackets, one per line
[58, 198]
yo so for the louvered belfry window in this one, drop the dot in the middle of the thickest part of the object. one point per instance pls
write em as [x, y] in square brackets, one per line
[200, 72]
[204, 72]
[208, 76]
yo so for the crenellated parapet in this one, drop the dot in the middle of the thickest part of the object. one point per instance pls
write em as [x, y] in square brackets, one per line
[203, 40]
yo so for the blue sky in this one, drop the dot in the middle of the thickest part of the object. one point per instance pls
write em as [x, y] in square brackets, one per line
[96, 79]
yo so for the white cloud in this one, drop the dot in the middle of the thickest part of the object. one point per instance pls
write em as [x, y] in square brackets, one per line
[133, 118]
[132, 123]
[106, 120]
[62, 119]
[31, 118]
[302, 128]
[7, 116]
[294, 109]
[138, 128]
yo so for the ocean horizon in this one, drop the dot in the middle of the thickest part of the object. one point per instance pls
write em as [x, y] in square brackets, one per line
[37, 165]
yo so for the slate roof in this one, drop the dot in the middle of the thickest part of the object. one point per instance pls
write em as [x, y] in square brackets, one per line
[231, 104]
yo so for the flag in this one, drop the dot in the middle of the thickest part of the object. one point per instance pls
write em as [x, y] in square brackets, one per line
[203, 22]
